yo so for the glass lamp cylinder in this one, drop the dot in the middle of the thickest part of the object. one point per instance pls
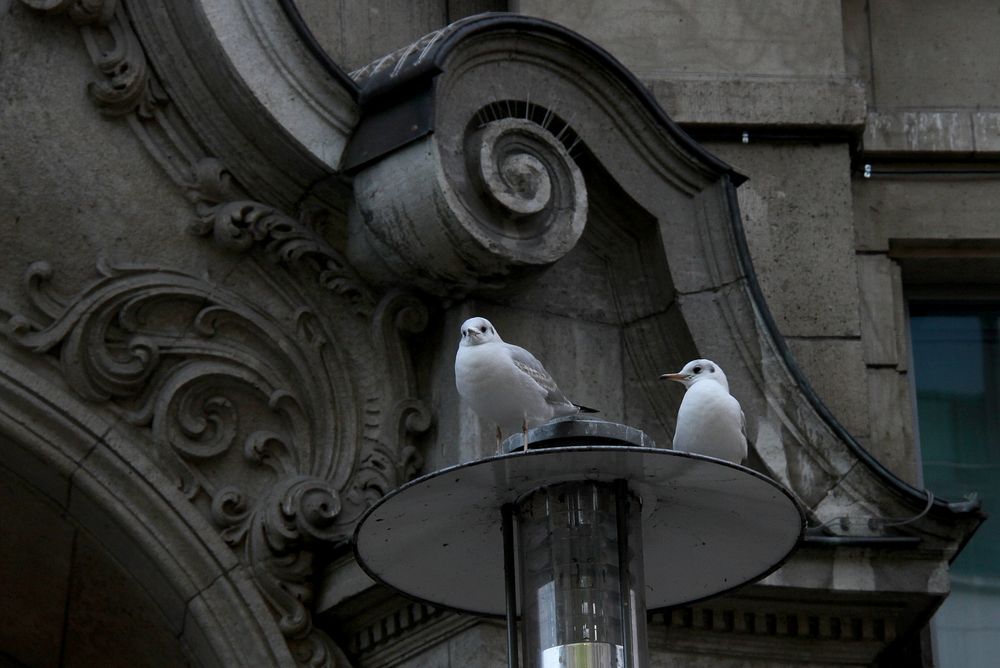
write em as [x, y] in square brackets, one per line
[580, 546]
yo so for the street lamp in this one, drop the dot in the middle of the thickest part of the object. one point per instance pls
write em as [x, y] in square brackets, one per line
[590, 526]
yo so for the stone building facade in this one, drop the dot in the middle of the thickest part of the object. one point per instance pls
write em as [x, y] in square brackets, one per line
[233, 278]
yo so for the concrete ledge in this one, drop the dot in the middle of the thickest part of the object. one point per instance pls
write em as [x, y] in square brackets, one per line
[828, 103]
[933, 131]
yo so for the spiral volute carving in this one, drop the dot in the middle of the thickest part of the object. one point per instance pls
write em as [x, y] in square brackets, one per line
[469, 210]
[532, 194]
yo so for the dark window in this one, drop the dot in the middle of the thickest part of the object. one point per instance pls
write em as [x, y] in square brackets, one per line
[956, 369]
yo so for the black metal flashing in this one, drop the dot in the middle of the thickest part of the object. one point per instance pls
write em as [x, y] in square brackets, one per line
[318, 52]
[939, 508]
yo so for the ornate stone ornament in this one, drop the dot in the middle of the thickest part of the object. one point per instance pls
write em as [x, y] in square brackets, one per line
[503, 160]
[260, 402]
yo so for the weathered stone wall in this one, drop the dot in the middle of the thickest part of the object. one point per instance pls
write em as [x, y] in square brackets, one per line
[797, 96]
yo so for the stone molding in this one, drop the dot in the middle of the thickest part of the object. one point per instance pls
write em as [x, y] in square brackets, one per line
[792, 626]
[764, 105]
[249, 94]
[524, 207]
[218, 386]
[126, 85]
[482, 184]
[252, 94]
[955, 133]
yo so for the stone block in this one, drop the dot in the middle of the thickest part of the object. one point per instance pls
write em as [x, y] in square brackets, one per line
[113, 516]
[986, 131]
[891, 439]
[857, 44]
[482, 645]
[47, 430]
[228, 624]
[769, 38]
[35, 566]
[879, 336]
[918, 61]
[747, 103]
[76, 188]
[435, 656]
[929, 210]
[355, 34]
[111, 615]
[836, 370]
[796, 214]
[921, 131]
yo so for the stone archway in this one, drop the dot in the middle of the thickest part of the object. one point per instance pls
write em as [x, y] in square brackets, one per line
[154, 556]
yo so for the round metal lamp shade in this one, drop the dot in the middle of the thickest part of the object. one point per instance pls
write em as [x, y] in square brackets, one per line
[707, 525]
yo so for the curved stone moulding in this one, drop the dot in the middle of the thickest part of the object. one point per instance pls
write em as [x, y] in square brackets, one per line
[433, 207]
[255, 97]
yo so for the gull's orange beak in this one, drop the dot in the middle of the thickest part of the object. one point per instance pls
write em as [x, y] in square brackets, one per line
[679, 377]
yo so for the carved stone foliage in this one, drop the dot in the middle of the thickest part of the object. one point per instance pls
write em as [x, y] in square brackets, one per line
[82, 12]
[126, 84]
[282, 410]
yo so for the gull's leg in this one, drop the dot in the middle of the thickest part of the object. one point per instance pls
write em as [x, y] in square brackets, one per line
[499, 437]
[524, 432]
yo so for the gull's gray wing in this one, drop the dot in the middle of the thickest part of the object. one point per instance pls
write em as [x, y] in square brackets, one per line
[530, 365]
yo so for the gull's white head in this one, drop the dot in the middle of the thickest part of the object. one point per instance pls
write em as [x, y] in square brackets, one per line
[696, 371]
[478, 330]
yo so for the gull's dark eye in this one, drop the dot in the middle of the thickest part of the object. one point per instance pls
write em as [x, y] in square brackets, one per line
[697, 369]
[483, 329]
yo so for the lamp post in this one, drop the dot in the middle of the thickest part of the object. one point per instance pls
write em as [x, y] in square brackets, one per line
[579, 535]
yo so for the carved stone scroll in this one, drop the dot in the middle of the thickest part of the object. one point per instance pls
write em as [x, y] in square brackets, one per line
[514, 199]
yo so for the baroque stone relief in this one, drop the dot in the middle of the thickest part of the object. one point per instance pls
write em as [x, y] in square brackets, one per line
[281, 423]
[499, 192]
[274, 420]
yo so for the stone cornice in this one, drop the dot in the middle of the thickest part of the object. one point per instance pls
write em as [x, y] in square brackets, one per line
[763, 104]
[384, 630]
[932, 133]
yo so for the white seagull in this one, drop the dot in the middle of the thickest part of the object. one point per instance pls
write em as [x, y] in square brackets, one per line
[710, 421]
[506, 384]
